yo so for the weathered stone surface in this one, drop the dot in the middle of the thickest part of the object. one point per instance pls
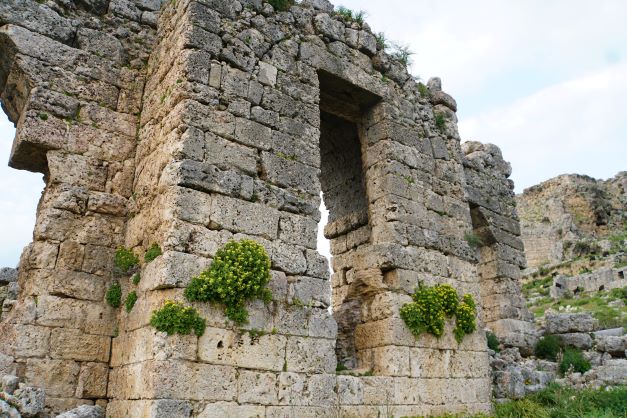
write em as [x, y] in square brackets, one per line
[84, 411]
[569, 323]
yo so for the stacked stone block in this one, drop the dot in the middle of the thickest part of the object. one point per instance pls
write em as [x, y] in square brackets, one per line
[495, 223]
[247, 114]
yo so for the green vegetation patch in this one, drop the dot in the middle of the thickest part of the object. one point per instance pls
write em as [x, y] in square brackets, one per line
[175, 318]
[573, 359]
[548, 347]
[125, 259]
[281, 5]
[131, 298]
[493, 341]
[432, 305]
[151, 253]
[240, 271]
[114, 295]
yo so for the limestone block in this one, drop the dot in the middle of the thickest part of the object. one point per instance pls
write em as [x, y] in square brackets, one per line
[98, 259]
[322, 324]
[567, 323]
[334, 29]
[92, 380]
[317, 265]
[257, 388]
[43, 255]
[227, 154]
[321, 390]
[291, 388]
[408, 392]
[73, 344]
[188, 205]
[298, 230]
[193, 36]
[430, 363]
[94, 317]
[219, 346]
[615, 345]
[56, 377]
[107, 203]
[576, 339]
[310, 291]
[350, 390]
[252, 134]
[147, 344]
[391, 331]
[76, 170]
[300, 411]
[100, 44]
[172, 269]
[77, 285]
[21, 340]
[378, 390]
[241, 216]
[288, 258]
[224, 409]
[391, 361]
[278, 286]
[292, 174]
[84, 411]
[70, 255]
[205, 17]
[292, 320]
[469, 364]
[267, 74]
[39, 18]
[310, 355]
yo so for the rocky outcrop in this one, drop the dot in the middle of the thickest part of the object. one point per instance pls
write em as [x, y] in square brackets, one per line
[565, 216]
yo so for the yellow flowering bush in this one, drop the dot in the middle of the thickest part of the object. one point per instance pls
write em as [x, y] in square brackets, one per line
[240, 271]
[432, 305]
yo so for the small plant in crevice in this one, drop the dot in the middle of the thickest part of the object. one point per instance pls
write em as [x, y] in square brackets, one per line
[440, 121]
[573, 359]
[175, 318]
[240, 272]
[423, 90]
[114, 295]
[493, 341]
[131, 298]
[281, 5]
[350, 16]
[43, 116]
[125, 259]
[432, 305]
[401, 53]
[548, 347]
[473, 240]
[151, 253]
[136, 278]
[381, 41]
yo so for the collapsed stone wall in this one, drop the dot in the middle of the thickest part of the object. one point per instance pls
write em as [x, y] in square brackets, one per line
[497, 232]
[247, 114]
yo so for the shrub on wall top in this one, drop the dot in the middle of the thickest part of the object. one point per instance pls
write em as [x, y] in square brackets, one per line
[240, 271]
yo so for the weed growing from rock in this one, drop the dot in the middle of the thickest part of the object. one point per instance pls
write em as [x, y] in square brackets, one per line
[240, 272]
[131, 298]
[125, 259]
[548, 347]
[153, 252]
[574, 360]
[114, 295]
[281, 5]
[432, 305]
[174, 318]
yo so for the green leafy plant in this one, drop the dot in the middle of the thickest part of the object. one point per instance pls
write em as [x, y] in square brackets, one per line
[351, 16]
[151, 253]
[240, 271]
[136, 278]
[131, 298]
[175, 318]
[493, 341]
[548, 347]
[381, 40]
[281, 5]
[423, 90]
[465, 322]
[440, 121]
[573, 358]
[125, 259]
[401, 53]
[473, 240]
[114, 295]
[43, 116]
[432, 305]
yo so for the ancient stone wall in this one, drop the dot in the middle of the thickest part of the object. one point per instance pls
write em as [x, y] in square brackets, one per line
[496, 233]
[247, 115]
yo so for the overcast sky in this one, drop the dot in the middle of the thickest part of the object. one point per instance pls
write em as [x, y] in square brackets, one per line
[544, 80]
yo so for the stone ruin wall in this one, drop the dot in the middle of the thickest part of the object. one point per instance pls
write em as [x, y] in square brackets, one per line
[194, 122]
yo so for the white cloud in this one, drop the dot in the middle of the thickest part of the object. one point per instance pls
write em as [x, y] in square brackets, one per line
[577, 126]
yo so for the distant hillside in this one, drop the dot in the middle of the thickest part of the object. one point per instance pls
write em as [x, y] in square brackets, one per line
[563, 217]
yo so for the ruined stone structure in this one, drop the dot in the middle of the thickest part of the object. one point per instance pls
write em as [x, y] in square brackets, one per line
[194, 122]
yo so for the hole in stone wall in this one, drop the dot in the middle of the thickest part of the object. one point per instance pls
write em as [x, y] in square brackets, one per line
[342, 109]
[20, 191]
